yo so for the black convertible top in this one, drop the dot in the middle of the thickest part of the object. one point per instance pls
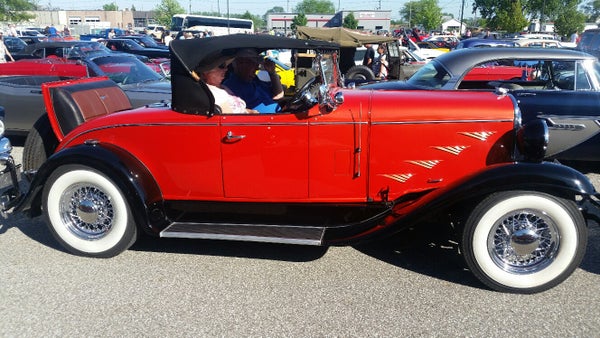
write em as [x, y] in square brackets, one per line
[192, 56]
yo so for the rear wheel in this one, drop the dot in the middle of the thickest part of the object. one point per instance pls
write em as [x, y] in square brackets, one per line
[524, 242]
[39, 144]
[87, 213]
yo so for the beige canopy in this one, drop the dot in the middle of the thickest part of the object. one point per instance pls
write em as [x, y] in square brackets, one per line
[343, 36]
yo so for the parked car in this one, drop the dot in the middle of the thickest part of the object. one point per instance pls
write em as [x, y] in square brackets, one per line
[21, 96]
[14, 44]
[75, 50]
[98, 34]
[352, 42]
[143, 40]
[558, 85]
[335, 166]
[480, 42]
[444, 41]
[132, 47]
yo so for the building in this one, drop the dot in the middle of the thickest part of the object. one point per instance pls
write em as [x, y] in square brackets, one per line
[370, 21]
[281, 22]
[83, 22]
[454, 26]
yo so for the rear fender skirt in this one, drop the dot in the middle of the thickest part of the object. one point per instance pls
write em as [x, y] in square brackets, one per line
[546, 176]
[129, 174]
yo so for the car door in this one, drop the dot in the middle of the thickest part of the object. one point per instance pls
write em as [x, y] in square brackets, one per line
[571, 110]
[264, 157]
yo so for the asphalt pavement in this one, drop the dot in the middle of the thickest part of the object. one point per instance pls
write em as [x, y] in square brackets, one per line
[416, 286]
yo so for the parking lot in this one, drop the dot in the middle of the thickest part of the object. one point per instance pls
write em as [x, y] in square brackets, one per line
[414, 286]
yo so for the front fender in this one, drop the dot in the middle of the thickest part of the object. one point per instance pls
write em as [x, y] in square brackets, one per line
[131, 176]
[552, 178]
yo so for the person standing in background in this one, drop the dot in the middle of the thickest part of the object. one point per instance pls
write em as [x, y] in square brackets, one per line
[4, 52]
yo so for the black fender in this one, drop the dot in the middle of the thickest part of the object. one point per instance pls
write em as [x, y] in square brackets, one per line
[552, 178]
[131, 176]
[461, 197]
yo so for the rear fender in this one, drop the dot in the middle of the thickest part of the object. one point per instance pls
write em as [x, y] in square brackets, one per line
[132, 177]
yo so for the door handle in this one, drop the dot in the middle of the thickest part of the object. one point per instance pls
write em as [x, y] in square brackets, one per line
[231, 137]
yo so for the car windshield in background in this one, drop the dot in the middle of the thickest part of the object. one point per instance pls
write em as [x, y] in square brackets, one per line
[87, 49]
[432, 75]
[126, 70]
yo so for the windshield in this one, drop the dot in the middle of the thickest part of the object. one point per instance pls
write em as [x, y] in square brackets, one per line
[432, 75]
[88, 49]
[126, 70]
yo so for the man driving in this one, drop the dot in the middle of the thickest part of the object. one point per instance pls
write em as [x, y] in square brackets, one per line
[243, 82]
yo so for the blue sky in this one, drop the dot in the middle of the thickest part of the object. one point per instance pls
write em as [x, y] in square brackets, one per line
[253, 6]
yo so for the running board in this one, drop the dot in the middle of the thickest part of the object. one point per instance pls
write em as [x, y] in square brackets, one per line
[287, 234]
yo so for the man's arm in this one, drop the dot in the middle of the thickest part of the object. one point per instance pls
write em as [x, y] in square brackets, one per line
[276, 87]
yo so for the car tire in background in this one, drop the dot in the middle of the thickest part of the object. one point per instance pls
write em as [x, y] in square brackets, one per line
[360, 73]
[39, 144]
[524, 241]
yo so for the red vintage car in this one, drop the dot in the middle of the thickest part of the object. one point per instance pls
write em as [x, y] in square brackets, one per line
[334, 167]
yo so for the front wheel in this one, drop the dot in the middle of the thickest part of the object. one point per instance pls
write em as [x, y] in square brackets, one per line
[87, 213]
[524, 242]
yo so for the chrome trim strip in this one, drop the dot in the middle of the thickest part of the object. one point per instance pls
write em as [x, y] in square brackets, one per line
[439, 122]
[167, 234]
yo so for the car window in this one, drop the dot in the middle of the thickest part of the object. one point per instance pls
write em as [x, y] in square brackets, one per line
[431, 75]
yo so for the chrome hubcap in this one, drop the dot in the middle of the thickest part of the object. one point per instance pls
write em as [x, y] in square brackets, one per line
[523, 242]
[86, 211]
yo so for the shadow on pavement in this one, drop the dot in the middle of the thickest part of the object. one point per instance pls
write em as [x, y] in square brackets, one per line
[425, 250]
[271, 251]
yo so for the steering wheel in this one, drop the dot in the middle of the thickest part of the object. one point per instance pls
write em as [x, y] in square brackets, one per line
[298, 102]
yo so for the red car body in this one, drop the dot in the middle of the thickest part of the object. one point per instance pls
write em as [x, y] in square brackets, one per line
[339, 168]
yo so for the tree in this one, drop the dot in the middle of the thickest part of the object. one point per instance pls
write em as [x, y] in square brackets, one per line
[315, 7]
[258, 22]
[276, 9]
[570, 19]
[592, 10]
[509, 17]
[298, 21]
[165, 11]
[133, 8]
[425, 13]
[350, 21]
[110, 7]
[13, 10]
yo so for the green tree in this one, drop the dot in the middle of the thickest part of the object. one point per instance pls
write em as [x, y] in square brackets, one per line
[592, 10]
[509, 17]
[13, 10]
[133, 8]
[315, 7]
[110, 7]
[276, 9]
[298, 21]
[570, 19]
[350, 21]
[165, 11]
[425, 13]
[258, 21]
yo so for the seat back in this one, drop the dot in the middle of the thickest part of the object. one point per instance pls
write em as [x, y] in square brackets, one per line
[74, 104]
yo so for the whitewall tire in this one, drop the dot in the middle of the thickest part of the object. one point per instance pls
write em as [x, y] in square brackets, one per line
[524, 242]
[87, 213]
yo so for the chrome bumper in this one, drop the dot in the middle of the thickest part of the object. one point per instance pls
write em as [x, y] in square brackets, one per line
[10, 173]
